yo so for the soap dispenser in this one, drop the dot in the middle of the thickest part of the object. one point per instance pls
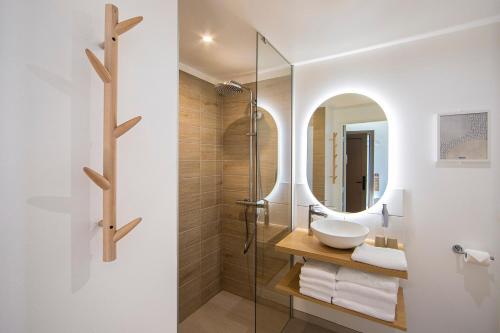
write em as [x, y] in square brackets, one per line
[390, 242]
[385, 216]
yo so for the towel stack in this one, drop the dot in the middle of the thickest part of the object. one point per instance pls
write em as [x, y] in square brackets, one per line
[317, 280]
[372, 294]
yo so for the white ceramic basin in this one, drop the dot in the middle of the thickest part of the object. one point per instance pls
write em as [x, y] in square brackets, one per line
[339, 234]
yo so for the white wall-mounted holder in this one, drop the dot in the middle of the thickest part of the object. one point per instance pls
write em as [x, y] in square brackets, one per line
[112, 131]
[458, 249]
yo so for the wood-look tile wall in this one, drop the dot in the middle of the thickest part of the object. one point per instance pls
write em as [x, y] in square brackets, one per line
[200, 195]
[318, 123]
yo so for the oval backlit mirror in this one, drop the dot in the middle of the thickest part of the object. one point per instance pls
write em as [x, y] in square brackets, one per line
[347, 158]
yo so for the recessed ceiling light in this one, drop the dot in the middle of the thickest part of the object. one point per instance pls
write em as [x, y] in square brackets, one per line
[207, 39]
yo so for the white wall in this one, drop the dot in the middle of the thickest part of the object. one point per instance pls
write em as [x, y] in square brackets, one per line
[412, 82]
[52, 278]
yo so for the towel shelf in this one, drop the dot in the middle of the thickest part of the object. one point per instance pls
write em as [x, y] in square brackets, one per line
[299, 243]
[289, 285]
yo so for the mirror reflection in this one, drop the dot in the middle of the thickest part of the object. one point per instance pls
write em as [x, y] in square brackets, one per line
[347, 158]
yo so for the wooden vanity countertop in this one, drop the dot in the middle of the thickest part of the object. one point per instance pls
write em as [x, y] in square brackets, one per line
[300, 243]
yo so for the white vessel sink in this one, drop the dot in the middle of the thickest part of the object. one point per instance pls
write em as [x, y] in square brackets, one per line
[339, 234]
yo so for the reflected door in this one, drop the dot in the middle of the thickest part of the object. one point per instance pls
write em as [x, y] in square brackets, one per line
[356, 171]
[359, 170]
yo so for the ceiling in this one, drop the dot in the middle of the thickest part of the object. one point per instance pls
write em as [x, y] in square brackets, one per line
[231, 55]
[305, 30]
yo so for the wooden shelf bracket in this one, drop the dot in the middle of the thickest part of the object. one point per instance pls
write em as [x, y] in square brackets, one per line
[108, 72]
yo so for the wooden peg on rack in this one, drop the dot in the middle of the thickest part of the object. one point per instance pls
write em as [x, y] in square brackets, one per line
[98, 66]
[98, 179]
[126, 126]
[123, 231]
[126, 25]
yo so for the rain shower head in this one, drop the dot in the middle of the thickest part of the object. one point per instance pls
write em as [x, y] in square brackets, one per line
[229, 88]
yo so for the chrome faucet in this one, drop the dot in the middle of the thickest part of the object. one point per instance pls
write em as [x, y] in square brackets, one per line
[312, 212]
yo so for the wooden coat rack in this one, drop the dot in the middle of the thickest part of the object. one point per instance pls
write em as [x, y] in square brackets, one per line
[334, 157]
[107, 181]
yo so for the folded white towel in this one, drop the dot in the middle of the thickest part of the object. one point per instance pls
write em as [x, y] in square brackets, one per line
[368, 310]
[319, 270]
[367, 301]
[320, 283]
[380, 256]
[387, 283]
[315, 294]
[372, 293]
[330, 291]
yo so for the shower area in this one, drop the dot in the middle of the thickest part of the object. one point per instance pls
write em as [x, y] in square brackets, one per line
[235, 197]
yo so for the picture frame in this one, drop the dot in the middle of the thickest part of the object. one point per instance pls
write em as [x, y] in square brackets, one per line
[463, 137]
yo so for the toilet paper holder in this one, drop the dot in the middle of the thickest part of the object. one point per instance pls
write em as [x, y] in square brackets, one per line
[460, 250]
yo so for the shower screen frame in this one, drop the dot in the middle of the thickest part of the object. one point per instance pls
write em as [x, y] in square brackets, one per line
[266, 58]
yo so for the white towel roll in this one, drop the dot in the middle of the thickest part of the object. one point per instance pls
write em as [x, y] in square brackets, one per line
[372, 293]
[477, 257]
[319, 284]
[317, 274]
[319, 270]
[315, 294]
[374, 303]
[321, 289]
[380, 256]
[319, 266]
[387, 283]
[368, 310]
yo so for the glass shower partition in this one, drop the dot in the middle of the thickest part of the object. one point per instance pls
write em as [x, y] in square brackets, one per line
[273, 184]
[235, 198]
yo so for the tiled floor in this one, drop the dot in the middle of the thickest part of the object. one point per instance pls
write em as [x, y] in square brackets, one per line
[228, 313]
[300, 326]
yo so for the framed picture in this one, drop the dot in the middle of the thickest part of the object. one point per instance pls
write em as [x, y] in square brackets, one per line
[463, 137]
